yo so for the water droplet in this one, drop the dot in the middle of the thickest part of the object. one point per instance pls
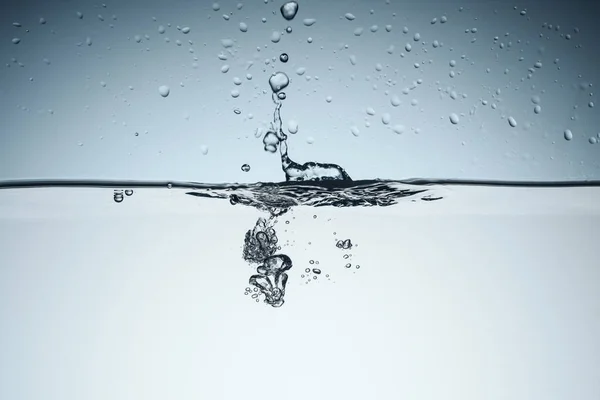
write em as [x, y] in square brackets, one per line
[568, 134]
[279, 81]
[292, 126]
[237, 81]
[289, 10]
[164, 90]
[16, 40]
[216, 7]
[88, 41]
[128, 192]
[118, 197]
[185, 30]
[417, 37]
[591, 104]
[512, 122]
[235, 93]
[204, 149]
[169, 186]
[386, 118]
[535, 99]
[283, 57]
[453, 63]
[161, 29]
[243, 27]
[237, 111]
[593, 140]
[225, 68]
[395, 100]
[310, 140]
[399, 129]
[414, 102]
[537, 109]
[227, 43]
[316, 271]
[454, 119]
[354, 130]
[309, 21]
[42, 21]
[348, 265]
[358, 31]
[288, 29]
[444, 19]
[245, 167]
[275, 37]
[350, 17]
[408, 47]
[374, 28]
[353, 59]
[79, 15]
[329, 99]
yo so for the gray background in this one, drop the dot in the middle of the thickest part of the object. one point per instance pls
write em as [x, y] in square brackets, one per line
[64, 124]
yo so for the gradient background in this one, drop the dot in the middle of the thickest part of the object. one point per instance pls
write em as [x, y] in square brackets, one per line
[64, 124]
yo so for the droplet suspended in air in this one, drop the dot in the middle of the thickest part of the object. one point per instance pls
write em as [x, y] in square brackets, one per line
[454, 119]
[386, 118]
[292, 126]
[128, 192]
[161, 29]
[243, 27]
[284, 57]
[512, 122]
[309, 21]
[568, 135]
[288, 29]
[354, 130]
[185, 30]
[350, 16]
[245, 168]
[216, 7]
[225, 68]
[16, 40]
[275, 37]
[278, 81]
[164, 90]
[395, 100]
[537, 109]
[204, 149]
[281, 95]
[289, 10]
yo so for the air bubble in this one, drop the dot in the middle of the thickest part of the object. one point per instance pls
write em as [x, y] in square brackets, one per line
[185, 30]
[309, 21]
[417, 37]
[243, 27]
[395, 100]
[593, 140]
[454, 119]
[354, 130]
[275, 37]
[512, 122]
[245, 168]
[386, 118]
[281, 95]
[284, 57]
[370, 111]
[408, 47]
[398, 129]
[216, 7]
[16, 40]
[128, 192]
[293, 126]
[235, 93]
[204, 149]
[161, 29]
[537, 109]
[350, 17]
[225, 69]
[288, 29]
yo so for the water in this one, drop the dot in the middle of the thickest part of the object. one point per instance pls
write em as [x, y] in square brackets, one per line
[490, 290]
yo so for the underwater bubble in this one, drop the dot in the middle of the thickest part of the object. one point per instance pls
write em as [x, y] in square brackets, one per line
[348, 265]
[243, 27]
[453, 63]
[370, 111]
[245, 168]
[16, 40]
[88, 41]
[289, 10]
[386, 118]
[309, 21]
[591, 104]
[237, 111]
[454, 118]
[512, 122]
[316, 271]
[537, 109]
[288, 29]
[118, 197]
[417, 37]
[216, 7]
[275, 37]
[281, 95]
[395, 100]
[235, 93]
[354, 130]
[164, 90]
[185, 30]
[128, 192]
[358, 31]
[161, 29]
[593, 140]
[283, 57]
[568, 135]
[225, 68]
[278, 81]
[350, 17]
[408, 47]
[204, 149]
[307, 270]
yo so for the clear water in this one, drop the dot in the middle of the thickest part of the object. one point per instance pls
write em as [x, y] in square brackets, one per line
[370, 290]
[312, 279]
